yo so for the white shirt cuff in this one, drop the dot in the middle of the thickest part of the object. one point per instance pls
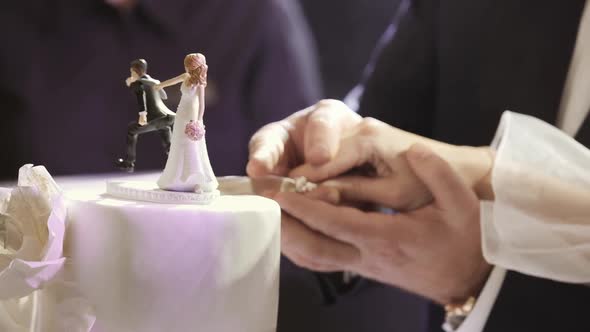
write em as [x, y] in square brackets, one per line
[476, 320]
[538, 223]
[144, 113]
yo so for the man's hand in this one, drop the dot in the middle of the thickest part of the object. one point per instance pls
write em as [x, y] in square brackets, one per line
[311, 136]
[434, 251]
[377, 150]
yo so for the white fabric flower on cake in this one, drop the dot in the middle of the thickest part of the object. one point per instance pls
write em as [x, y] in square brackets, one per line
[33, 293]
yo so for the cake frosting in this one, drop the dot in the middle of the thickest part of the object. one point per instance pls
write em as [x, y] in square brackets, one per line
[164, 267]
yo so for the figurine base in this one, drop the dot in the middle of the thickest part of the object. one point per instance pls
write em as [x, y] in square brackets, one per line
[149, 192]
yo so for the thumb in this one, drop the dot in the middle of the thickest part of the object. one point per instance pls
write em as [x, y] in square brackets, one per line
[326, 123]
[352, 153]
[448, 189]
[266, 147]
[361, 189]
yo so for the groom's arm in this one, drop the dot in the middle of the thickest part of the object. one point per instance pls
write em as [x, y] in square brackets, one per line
[139, 91]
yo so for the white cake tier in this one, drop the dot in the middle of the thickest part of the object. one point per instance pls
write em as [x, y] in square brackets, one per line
[176, 268]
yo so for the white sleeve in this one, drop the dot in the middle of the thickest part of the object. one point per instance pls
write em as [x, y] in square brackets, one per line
[539, 223]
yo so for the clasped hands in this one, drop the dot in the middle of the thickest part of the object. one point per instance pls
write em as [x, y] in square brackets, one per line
[431, 246]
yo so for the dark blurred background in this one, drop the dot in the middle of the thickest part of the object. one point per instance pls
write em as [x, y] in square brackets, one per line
[345, 33]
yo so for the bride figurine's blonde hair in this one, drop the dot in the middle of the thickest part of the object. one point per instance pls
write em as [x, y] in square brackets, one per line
[196, 66]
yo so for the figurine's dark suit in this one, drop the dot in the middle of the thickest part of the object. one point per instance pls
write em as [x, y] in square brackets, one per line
[159, 117]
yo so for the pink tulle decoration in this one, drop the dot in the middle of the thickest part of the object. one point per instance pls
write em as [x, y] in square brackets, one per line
[194, 130]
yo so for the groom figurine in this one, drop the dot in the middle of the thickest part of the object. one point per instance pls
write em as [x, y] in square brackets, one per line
[153, 113]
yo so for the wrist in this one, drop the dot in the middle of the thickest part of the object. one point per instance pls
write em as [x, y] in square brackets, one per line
[479, 303]
[455, 314]
[460, 305]
[482, 186]
[474, 165]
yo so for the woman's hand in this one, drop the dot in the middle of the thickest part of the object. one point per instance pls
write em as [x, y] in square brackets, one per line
[309, 136]
[370, 166]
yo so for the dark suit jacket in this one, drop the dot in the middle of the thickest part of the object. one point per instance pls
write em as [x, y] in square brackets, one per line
[148, 99]
[345, 43]
[449, 72]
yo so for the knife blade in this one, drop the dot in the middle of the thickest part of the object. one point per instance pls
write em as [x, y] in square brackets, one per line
[244, 185]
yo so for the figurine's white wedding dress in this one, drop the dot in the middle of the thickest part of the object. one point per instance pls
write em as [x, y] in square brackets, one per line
[188, 167]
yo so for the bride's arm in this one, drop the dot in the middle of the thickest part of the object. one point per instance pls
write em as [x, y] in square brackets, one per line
[172, 81]
[201, 95]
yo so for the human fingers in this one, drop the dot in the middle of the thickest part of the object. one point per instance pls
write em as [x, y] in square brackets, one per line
[325, 125]
[369, 143]
[449, 190]
[305, 262]
[266, 147]
[310, 249]
[325, 193]
[397, 187]
[353, 152]
[277, 147]
[357, 188]
[345, 224]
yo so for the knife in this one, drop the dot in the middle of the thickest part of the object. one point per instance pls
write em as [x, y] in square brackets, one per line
[244, 185]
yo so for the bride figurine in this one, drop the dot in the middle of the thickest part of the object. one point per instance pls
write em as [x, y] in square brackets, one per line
[188, 168]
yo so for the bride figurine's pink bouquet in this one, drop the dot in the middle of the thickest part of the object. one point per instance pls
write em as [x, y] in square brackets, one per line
[194, 130]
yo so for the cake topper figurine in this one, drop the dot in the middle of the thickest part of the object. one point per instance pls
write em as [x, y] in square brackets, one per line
[153, 113]
[188, 168]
